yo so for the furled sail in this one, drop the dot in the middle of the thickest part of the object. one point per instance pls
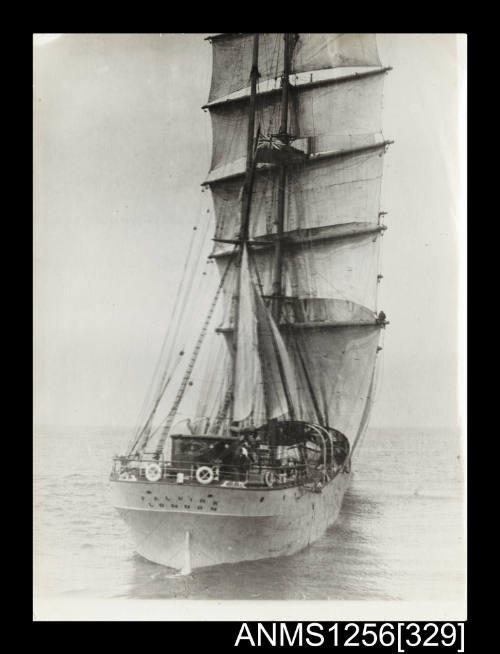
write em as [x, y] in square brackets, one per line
[232, 57]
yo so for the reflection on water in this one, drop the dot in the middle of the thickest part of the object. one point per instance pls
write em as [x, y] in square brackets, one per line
[399, 534]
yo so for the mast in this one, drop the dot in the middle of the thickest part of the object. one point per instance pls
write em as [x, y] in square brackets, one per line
[246, 195]
[280, 218]
[331, 199]
[249, 171]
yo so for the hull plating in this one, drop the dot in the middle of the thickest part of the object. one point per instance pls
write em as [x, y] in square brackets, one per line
[224, 525]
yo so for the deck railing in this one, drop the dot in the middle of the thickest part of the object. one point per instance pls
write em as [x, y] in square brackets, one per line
[247, 475]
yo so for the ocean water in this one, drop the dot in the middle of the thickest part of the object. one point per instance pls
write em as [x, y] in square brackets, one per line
[400, 534]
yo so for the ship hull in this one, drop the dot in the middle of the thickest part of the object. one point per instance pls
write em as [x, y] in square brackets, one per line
[185, 527]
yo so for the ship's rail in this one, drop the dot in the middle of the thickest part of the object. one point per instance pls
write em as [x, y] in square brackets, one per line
[153, 469]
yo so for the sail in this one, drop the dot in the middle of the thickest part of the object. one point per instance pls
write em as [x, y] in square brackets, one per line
[366, 412]
[232, 57]
[343, 269]
[319, 193]
[340, 360]
[263, 373]
[326, 335]
[319, 111]
[278, 372]
[248, 391]
[331, 230]
[228, 266]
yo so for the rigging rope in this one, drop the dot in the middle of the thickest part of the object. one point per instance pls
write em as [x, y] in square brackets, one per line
[321, 419]
[139, 428]
[183, 294]
[281, 370]
[189, 370]
[366, 411]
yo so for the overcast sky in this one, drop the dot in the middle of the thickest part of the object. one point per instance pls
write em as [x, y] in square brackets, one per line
[121, 148]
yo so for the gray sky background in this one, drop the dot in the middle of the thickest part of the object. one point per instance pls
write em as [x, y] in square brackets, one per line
[121, 148]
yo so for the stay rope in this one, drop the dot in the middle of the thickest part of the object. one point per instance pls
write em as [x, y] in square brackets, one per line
[189, 370]
[139, 427]
[183, 293]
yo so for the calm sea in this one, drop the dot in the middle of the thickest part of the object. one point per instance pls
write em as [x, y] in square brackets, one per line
[400, 534]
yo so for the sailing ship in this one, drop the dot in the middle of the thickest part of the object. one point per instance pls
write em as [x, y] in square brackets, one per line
[295, 179]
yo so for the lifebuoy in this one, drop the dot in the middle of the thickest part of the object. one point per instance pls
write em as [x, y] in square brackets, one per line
[204, 475]
[269, 478]
[153, 472]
